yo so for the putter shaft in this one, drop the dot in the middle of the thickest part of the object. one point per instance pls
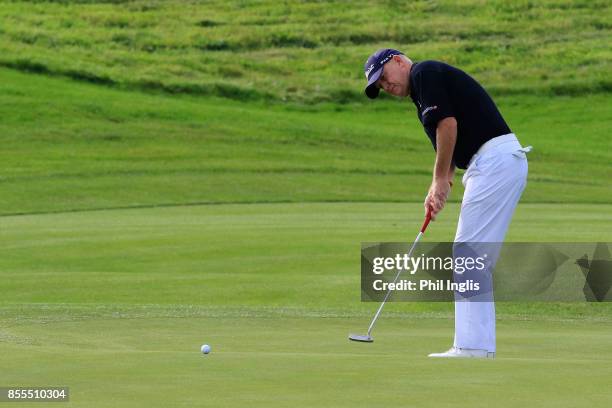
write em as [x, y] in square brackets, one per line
[416, 241]
[380, 308]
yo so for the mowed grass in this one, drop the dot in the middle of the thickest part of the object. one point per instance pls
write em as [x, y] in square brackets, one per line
[284, 255]
[116, 303]
[304, 362]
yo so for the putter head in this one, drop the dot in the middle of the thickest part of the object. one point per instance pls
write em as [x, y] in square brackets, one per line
[364, 338]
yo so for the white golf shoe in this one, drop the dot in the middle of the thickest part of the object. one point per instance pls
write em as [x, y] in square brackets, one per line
[456, 352]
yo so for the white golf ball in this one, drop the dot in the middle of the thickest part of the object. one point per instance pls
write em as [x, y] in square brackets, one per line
[205, 349]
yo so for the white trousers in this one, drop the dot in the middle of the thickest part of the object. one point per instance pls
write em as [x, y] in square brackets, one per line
[494, 182]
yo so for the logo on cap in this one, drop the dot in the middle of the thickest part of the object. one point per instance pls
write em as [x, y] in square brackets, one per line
[370, 68]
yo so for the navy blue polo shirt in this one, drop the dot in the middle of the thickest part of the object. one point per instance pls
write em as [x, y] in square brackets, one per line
[438, 91]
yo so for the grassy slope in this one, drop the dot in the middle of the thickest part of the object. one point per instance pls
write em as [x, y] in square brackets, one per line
[76, 146]
[304, 50]
[101, 148]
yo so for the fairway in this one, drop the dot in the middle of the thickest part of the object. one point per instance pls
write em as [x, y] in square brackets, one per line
[300, 255]
[116, 304]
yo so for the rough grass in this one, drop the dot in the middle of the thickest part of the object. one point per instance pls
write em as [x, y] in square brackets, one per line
[308, 51]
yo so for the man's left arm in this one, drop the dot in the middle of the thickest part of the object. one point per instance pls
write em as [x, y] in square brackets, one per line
[446, 137]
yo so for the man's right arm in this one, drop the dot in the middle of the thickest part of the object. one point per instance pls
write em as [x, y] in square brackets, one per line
[451, 174]
[446, 137]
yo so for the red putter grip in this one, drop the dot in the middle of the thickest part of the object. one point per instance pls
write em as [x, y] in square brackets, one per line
[426, 222]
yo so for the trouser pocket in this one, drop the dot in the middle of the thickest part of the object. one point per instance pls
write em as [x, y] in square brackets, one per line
[522, 152]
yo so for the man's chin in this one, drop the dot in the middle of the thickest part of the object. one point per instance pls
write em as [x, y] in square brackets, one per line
[398, 94]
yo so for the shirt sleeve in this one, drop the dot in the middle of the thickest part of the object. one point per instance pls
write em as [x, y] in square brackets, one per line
[435, 103]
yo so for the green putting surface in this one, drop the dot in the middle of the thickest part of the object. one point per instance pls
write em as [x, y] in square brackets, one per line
[131, 358]
[115, 304]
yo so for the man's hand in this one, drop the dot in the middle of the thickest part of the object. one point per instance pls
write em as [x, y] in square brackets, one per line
[436, 198]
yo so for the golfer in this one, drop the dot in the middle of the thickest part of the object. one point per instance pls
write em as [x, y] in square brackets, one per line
[467, 131]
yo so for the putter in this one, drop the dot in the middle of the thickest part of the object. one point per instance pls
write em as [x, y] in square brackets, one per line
[367, 338]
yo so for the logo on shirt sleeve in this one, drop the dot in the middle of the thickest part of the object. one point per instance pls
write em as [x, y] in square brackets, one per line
[429, 109]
